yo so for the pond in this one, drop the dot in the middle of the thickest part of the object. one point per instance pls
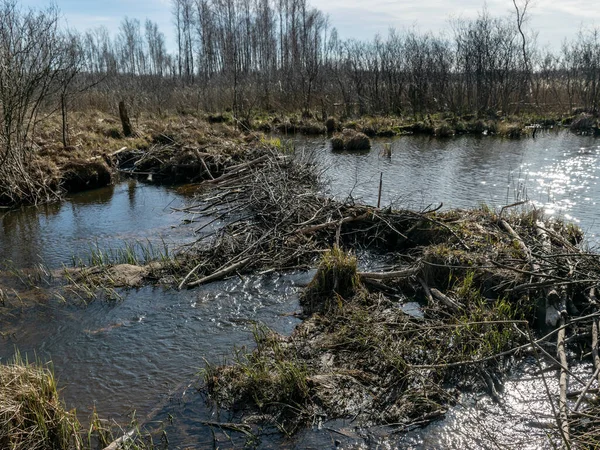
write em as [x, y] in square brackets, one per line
[557, 171]
[141, 354]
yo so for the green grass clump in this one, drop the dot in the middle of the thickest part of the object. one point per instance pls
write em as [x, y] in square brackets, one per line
[272, 378]
[336, 280]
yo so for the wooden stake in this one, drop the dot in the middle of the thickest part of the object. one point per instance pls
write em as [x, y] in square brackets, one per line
[380, 186]
[127, 130]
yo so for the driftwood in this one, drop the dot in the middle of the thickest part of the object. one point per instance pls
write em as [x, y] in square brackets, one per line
[220, 273]
[120, 442]
[406, 273]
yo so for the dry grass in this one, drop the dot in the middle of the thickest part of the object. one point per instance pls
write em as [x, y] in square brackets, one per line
[350, 140]
[32, 416]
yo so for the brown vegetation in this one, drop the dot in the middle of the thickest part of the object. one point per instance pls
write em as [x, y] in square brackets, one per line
[350, 140]
[32, 417]
[484, 280]
[80, 175]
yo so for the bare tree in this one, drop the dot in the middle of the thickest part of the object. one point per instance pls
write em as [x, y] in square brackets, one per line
[33, 59]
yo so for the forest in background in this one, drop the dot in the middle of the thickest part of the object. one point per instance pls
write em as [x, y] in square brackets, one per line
[255, 59]
[285, 55]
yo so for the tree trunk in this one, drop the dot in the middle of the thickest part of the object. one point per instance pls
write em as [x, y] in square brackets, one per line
[127, 130]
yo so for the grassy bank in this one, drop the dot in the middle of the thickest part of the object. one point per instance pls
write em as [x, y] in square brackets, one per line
[33, 416]
[98, 149]
[442, 125]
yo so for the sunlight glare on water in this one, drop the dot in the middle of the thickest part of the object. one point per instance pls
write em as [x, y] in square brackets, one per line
[557, 171]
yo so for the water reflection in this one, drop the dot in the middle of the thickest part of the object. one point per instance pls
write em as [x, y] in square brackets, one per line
[133, 354]
[106, 217]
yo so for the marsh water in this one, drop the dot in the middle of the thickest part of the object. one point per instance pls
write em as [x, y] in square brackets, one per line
[140, 355]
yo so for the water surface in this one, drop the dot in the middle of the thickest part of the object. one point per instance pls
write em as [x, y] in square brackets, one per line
[556, 171]
[143, 353]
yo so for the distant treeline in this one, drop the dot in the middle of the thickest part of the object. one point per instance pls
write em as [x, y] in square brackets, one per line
[285, 55]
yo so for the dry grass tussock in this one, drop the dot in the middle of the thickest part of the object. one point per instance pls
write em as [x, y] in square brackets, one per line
[93, 138]
[32, 416]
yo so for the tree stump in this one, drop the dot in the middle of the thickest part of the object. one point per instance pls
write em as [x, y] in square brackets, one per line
[127, 130]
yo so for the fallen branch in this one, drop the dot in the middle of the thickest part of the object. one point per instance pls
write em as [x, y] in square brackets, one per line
[335, 223]
[220, 273]
[563, 382]
[445, 299]
[406, 273]
[235, 170]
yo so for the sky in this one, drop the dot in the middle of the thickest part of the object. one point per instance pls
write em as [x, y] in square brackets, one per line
[553, 20]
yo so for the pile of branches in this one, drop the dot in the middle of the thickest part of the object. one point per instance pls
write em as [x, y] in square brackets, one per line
[267, 214]
[489, 284]
[174, 159]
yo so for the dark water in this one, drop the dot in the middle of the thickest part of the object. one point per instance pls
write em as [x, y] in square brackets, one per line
[142, 353]
[107, 217]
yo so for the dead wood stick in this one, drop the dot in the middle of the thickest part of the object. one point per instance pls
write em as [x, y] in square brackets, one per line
[445, 299]
[239, 427]
[115, 153]
[525, 286]
[504, 224]
[206, 167]
[543, 236]
[595, 355]
[333, 224]
[586, 389]
[406, 273]
[558, 237]
[559, 364]
[443, 225]
[190, 273]
[404, 237]
[563, 382]
[427, 291]
[528, 272]
[407, 233]
[512, 205]
[220, 273]
[506, 352]
[116, 444]
[235, 170]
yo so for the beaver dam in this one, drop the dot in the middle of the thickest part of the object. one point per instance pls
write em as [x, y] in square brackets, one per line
[491, 288]
[404, 312]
